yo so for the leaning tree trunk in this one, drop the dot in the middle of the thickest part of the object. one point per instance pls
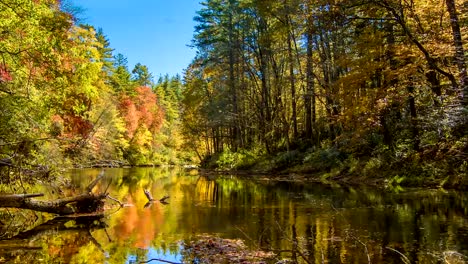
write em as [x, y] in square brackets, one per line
[86, 202]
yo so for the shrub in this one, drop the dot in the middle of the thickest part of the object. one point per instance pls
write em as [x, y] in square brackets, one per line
[325, 159]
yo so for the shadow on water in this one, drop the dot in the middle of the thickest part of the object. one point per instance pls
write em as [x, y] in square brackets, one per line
[305, 223]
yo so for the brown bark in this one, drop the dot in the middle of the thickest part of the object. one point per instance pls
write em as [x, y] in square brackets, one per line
[59, 206]
[309, 100]
[292, 79]
[459, 51]
[86, 202]
[149, 196]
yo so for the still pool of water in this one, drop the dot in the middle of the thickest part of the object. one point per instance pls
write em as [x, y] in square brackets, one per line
[305, 223]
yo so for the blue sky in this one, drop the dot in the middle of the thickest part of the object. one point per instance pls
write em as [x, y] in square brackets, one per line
[152, 32]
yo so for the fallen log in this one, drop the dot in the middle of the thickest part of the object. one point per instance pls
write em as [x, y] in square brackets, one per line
[60, 206]
[151, 200]
[86, 202]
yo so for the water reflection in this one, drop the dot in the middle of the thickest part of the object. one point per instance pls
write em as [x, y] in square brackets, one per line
[305, 223]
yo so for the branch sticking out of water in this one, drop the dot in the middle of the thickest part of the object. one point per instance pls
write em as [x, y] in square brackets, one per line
[151, 199]
[160, 260]
[148, 195]
[163, 200]
[115, 200]
[296, 246]
[94, 182]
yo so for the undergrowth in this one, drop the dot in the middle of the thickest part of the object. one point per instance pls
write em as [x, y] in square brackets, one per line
[438, 165]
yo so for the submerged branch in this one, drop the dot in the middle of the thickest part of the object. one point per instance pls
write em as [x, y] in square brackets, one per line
[115, 200]
[160, 260]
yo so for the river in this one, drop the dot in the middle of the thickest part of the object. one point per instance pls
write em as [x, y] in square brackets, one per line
[305, 223]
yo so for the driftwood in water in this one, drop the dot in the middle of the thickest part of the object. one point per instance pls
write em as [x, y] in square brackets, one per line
[86, 202]
[148, 195]
[151, 199]
[163, 200]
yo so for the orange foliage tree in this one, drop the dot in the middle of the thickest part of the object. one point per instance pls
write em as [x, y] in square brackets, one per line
[143, 119]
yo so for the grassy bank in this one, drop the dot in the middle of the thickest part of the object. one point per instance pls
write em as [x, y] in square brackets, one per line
[442, 165]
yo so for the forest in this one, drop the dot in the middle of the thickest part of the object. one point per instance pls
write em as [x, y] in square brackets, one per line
[68, 101]
[339, 90]
[327, 111]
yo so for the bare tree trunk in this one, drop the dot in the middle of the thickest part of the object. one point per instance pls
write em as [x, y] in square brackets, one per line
[292, 79]
[309, 93]
[414, 116]
[459, 51]
[87, 202]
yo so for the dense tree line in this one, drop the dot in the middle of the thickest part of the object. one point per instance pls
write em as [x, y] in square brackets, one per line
[330, 83]
[351, 79]
[66, 96]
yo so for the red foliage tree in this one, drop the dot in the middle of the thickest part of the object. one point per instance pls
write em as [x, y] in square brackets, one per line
[141, 110]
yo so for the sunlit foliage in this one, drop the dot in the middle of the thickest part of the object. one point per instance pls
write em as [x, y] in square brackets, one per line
[67, 99]
[383, 79]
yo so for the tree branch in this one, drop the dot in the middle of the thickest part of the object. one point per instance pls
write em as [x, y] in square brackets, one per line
[94, 182]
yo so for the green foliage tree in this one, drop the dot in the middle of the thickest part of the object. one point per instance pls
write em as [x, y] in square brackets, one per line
[121, 78]
[142, 76]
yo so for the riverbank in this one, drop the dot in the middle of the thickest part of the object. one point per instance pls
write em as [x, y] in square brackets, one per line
[436, 167]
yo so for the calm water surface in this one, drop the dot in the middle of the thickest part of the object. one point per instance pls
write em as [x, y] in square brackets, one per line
[306, 223]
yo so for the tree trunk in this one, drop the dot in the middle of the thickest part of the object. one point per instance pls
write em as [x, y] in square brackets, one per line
[83, 203]
[414, 116]
[309, 100]
[292, 80]
[235, 137]
[59, 206]
[459, 51]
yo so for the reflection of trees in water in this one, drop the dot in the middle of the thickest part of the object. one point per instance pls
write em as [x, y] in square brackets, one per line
[309, 223]
[340, 224]
[140, 225]
[55, 241]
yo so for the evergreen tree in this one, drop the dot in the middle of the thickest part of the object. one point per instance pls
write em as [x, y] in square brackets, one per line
[141, 75]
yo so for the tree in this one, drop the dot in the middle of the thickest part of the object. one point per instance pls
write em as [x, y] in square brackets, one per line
[143, 119]
[459, 52]
[121, 78]
[142, 76]
[105, 53]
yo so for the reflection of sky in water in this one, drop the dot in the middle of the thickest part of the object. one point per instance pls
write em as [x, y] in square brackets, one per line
[319, 217]
[325, 221]
[156, 254]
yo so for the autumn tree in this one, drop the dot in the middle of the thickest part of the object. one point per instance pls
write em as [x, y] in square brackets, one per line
[143, 119]
[350, 76]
